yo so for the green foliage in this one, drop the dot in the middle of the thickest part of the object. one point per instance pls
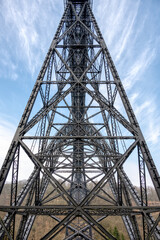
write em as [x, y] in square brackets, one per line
[122, 237]
[116, 233]
[110, 230]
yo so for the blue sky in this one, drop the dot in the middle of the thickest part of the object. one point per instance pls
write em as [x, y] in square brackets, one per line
[132, 33]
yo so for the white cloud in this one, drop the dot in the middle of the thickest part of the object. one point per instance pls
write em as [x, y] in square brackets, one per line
[134, 97]
[23, 25]
[141, 108]
[125, 35]
[6, 134]
[29, 30]
[7, 131]
[147, 115]
[14, 76]
[33, 24]
[154, 130]
[111, 22]
[117, 19]
[144, 59]
[153, 122]
[132, 171]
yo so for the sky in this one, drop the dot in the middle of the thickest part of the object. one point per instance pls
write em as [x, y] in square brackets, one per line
[131, 30]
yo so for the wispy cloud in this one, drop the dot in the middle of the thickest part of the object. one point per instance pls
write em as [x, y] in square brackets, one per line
[24, 31]
[126, 32]
[148, 115]
[154, 130]
[24, 23]
[128, 28]
[27, 28]
[6, 134]
[117, 20]
[144, 59]
[124, 29]
[7, 130]
[150, 118]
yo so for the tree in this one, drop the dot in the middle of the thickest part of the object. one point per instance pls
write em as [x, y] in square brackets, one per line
[116, 233]
[122, 237]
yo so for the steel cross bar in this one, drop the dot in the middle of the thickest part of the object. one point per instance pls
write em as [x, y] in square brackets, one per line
[153, 228]
[8, 160]
[105, 234]
[112, 109]
[86, 70]
[43, 201]
[145, 151]
[51, 178]
[44, 111]
[5, 229]
[28, 221]
[88, 136]
[77, 234]
[95, 208]
[129, 188]
[80, 136]
[117, 164]
[63, 222]
[20, 198]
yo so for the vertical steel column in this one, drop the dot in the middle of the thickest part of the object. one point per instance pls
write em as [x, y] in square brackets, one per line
[41, 147]
[78, 63]
[143, 190]
[14, 187]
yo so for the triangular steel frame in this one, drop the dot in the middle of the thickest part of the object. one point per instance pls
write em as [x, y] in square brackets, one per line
[79, 129]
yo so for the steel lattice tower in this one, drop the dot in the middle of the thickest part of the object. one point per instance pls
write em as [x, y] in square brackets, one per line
[79, 130]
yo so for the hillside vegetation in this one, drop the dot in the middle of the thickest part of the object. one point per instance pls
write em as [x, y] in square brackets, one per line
[43, 223]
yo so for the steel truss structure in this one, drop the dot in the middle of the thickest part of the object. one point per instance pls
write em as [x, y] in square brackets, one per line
[79, 131]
